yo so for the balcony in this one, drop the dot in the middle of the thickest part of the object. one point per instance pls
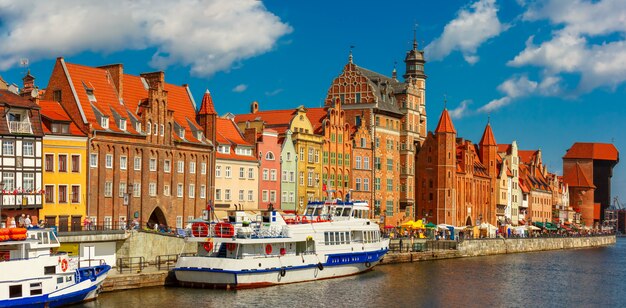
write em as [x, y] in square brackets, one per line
[16, 127]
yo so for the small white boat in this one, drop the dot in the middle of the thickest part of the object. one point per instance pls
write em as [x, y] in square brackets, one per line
[32, 276]
[332, 239]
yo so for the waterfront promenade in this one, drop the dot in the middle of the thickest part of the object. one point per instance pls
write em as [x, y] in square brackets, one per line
[160, 274]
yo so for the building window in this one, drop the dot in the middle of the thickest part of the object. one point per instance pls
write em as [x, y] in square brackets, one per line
[75, 163]
[317, 179]
[389, 184]
[75, 193]
[264, 196]
[152, 189]
[167, 166]
[93, 160]
[202, 191]
[377, 162]
[292, 176]
[310, 178]
[153, 164]
[301, 177]
[179, 222]
[265, 174]
[192, 190]
[366, 184]
[377, 183]
[292, 196]
[8, 147]
[203, 168]
[179, 190]
[218, 171]
[62, 193]
[49, 162]
[241, 195]
[136, 190]
[192, 167]
[325, 158]
[121, 189]
[357, 162]
[301, 153]
[332, 158]
[123, 161]
[227, 194]
[166, 190]
[273, 175]
[340, 159]
[250, 195]
[284, 197]
[272, 196]
[28, 182]
[284, 176]
[357, 184]
[180, 166]
[218, 194]
[242, 172]
[389, 164]
[311, 151]
[269, 156]
[250, 173]
[366, 162]
[108, 189]
[104, 122]
[62, 163]
[108, 161]
[137, 163]
[49, 193]
[123, 124]
[28, 148]
[317, 156]
[162, 130]
[227, 172]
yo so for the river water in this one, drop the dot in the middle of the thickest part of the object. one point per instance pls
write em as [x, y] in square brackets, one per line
[594, 277]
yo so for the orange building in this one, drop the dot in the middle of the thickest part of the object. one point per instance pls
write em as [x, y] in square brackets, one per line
[362, 171]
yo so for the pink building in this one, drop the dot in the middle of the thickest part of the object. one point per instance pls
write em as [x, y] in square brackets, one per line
[269, 169]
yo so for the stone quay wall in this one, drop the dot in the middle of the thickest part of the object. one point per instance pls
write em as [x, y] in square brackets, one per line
[150, 245]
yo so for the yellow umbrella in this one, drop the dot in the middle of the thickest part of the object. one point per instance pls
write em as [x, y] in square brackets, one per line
[407, 224]
[418, 225]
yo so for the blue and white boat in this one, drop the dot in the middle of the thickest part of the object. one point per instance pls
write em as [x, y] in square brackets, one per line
[33, 276]
[331, 239]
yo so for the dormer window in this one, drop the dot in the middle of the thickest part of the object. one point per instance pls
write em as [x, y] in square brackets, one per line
[90, 95]
[181, 133]
[224, 149]
[243, 151]
[60, 128]
[199, 135]
[123, 124]
[104, 122]
[138, 127]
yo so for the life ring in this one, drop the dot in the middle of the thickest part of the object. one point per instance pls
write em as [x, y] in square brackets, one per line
[298, 218]
[199, 229]
[368, 264]
[320, 266]
[304, 220]
[224, 229]
[268, 249]
[283, 271]
[283, 251]
[231, 246]
[64, 265]
[208, 246]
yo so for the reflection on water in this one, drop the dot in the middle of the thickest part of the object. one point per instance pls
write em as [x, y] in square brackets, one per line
[577, 278]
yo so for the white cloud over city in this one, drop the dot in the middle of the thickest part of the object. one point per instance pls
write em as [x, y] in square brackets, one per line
[472, 26]
[206, 36]
[240, 88]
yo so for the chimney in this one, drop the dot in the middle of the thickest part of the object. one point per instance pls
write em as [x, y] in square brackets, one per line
[249, 135]
[254, 107]
[116, 75]
[29, 85]
[155, 80]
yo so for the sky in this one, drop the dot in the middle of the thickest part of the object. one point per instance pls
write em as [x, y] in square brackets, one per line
[545, 73]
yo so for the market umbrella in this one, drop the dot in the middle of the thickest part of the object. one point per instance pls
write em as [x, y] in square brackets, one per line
[418, 225]
[389, 227]
[408, 224]
[431, 225]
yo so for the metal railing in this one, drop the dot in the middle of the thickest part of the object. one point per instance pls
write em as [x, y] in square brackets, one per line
[131, 264]
[165, 262]
[20, 127]
[422, 246]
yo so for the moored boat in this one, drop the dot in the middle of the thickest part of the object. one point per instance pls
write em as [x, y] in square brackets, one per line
[331, 239]
[34, 276]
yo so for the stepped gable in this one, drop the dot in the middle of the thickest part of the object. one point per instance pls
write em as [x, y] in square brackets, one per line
[383, 88]
[228, 134]
[445, 123]
[598, 151]
[52, 111]
[577, 178]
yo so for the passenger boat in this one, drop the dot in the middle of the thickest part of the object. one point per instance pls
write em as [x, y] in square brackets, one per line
[331, 239]
[33, 276]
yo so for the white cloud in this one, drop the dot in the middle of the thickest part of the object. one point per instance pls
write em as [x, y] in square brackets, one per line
[518, 87]
[274, 92]
[573, 48]
[461, 110]
[472, 26]
[207, 36]
[240, 88]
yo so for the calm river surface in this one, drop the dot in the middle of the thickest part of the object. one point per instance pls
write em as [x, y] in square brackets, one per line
[594, 277]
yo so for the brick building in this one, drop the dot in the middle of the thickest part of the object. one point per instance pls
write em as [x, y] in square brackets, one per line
[148, 157]
[362, 171]
[587, 169]
[395, 114]
[536, 178]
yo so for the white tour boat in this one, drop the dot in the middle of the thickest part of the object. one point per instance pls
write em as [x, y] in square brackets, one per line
[331, 239]
[32, 276]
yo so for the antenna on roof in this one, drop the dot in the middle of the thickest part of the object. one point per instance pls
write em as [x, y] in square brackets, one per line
[24, 64]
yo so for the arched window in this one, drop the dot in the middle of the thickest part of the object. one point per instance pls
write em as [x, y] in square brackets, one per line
[269, 156]
[149, 128]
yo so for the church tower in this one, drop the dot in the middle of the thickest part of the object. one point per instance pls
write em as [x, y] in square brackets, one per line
[445, 136]
[207, 116]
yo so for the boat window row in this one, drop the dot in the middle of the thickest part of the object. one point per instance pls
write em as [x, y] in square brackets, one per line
[336, 238]
[371, 236]
[15, 291]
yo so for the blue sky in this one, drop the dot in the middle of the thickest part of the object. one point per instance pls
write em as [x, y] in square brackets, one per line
[547, 73]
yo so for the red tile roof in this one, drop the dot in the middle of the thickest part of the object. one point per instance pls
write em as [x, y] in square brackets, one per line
[206, 107]
[445, 123]
[316, 117]
[228, 134]
[526, 156]
[54, 111]
[279, 120]
[504, 148]
[577, 178]
[488, 138]
[599, 151]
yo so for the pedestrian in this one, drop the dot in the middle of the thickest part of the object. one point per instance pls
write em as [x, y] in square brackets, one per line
[400, 244]
[12, 222]
[21, 220]
[86, 223]
[27, 222]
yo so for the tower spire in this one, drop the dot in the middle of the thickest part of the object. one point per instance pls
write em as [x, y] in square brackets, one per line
[415, 36]
[350, 56]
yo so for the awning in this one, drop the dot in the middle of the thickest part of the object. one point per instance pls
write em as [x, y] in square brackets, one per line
[431, 225]
[389, 227]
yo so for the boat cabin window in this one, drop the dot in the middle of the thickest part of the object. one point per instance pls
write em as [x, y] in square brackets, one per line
[15, 291]
[318, 211]
[309, 211]
[346, 212]
[338, 211]
[35, 288]
[49, 270]
[336, 238]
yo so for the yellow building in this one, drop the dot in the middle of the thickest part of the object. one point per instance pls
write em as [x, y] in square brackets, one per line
[64, 169]
[308, 147]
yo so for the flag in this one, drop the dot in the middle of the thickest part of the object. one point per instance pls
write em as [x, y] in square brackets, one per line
[323, 187]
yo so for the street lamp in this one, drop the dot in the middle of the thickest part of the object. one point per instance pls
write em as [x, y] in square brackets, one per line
[2, 223]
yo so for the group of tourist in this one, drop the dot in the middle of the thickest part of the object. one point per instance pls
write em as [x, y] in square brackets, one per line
[24, 221]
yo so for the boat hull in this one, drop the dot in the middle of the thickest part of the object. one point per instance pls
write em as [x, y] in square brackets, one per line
[201, 271]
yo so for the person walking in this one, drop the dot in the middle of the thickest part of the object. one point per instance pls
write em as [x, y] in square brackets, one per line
[21, 221]
[27, 222]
